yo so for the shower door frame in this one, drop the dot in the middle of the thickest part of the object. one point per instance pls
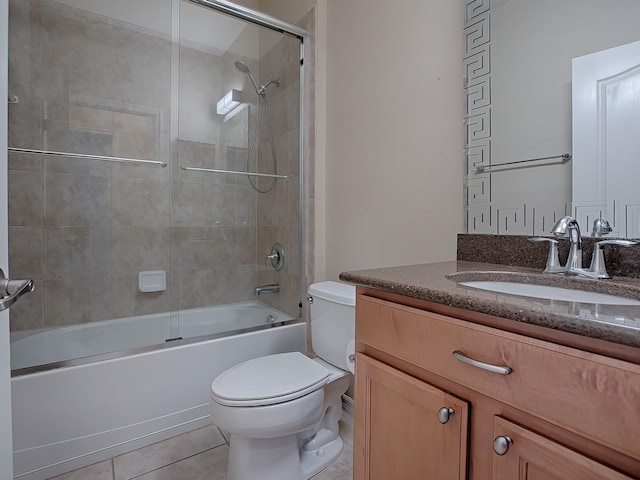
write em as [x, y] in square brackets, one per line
[6, 442]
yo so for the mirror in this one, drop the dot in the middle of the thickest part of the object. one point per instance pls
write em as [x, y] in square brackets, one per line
[518, 85]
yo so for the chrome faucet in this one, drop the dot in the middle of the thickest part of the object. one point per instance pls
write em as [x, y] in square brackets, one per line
[272, 288]
[598, 269]
[601, 228]
[568, 227]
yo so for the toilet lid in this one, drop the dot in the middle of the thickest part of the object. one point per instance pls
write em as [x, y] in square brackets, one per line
[269, 380]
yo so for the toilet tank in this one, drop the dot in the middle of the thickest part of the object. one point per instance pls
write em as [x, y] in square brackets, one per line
[333, 320]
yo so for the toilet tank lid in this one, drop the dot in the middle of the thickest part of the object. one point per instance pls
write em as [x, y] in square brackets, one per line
[334, 292]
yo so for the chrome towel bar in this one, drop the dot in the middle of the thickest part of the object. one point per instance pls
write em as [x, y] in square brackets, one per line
[483, 168]
[234, 172]
[87, 157]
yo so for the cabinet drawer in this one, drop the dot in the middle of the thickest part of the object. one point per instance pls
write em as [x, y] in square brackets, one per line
[591, 395]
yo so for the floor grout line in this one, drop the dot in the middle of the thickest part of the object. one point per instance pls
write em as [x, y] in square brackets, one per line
[177, 461]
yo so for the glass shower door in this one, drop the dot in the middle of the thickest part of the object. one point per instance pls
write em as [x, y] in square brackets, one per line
[236, 190]
[89, 186]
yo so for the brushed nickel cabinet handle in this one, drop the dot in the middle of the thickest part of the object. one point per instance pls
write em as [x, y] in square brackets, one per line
[501, 444]
[458, 355]
[444, 414]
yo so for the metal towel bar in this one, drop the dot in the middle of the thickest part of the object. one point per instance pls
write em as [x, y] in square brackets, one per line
[483, 168]
[86, 156]
[234, 172]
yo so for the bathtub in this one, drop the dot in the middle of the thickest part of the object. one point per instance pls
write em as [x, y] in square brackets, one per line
[87, 411]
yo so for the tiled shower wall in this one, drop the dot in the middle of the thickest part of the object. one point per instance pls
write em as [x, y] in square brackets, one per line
[84, 229]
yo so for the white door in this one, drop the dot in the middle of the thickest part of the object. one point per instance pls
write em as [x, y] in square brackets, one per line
[606, 144]
[6, 448]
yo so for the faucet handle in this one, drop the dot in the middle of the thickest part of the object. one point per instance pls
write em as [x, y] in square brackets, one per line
[553, 261]
[276, 257]
[598, 268]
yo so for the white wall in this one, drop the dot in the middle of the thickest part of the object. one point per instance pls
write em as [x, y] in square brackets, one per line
[394, 133]
[291, 11]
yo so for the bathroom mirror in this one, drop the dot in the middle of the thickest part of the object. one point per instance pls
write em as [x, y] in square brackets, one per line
[518, 85]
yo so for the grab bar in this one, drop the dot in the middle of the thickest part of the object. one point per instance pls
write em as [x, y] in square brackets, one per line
[234, 172]
[19, 287]
[483, 168]
[86, 156]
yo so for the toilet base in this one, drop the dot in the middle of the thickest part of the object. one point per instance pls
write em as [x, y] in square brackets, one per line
[253, 458]
[315, 461]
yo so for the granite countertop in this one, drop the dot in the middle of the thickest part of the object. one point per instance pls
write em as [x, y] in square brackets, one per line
[429, 282]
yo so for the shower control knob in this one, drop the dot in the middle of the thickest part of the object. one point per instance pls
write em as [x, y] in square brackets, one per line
[501, 444]
[445, 414]
[276, 257]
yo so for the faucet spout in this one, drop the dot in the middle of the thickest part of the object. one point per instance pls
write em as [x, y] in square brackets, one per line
[568, 227]
[272, 288]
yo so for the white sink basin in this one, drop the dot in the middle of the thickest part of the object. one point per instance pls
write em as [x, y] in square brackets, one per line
[550, 293]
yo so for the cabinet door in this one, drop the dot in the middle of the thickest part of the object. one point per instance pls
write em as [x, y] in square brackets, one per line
[530, 456]
[398, 432]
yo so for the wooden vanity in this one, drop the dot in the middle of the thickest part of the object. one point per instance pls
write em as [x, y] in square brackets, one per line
[520, 401]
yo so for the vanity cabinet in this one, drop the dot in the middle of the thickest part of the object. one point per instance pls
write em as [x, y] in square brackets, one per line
[412, 429]
[552, 411]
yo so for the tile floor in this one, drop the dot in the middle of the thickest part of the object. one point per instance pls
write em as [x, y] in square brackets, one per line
[198, 455]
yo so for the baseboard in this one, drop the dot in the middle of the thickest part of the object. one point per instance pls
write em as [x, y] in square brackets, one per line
[347, 404]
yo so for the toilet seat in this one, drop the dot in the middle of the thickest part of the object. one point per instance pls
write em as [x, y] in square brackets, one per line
[269, 380]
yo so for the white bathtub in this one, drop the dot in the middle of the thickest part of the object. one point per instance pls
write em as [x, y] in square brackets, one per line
[52, 345]
[69, 417]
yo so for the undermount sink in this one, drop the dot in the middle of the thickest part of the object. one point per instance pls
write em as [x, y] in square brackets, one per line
[550, 292]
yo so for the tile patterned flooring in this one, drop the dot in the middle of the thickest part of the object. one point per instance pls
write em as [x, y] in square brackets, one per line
[198, 455]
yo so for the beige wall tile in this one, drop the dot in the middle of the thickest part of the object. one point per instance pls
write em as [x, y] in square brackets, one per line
[25, 198]
[150, 203]
[28, 313]
[66, 303]
[66, 252]
[25, 252]
[66, 198]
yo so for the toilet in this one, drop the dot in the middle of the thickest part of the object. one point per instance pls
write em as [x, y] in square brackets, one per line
[282, 410]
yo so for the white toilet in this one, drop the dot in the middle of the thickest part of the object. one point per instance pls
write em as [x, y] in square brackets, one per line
[282, 410]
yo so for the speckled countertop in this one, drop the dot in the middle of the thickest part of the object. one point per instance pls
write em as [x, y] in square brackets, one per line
[438, 283]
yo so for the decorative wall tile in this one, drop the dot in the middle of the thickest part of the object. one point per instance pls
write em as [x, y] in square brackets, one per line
[476, 33]
[513, 221]
[587, 212]
[479, 218]
[544, 218]
[632, 213]
[478, 189]
[478, 95]
[474, 8]
[478, 154]
[478, 126]
[476, 65]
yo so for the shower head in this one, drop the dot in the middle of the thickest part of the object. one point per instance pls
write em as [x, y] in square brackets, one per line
[241, 66]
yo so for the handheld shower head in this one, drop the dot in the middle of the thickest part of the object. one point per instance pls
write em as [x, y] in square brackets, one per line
[260, 90]
[244, 68]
